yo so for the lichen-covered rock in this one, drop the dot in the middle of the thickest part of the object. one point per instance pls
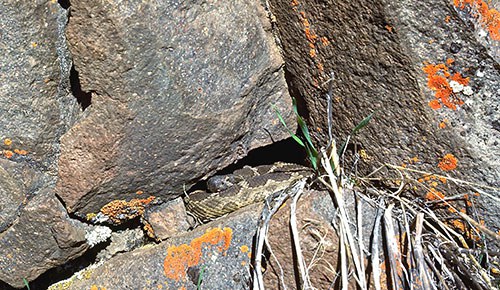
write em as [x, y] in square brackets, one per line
[179, 91]
[35, 103]
[217, 254]
[416, 64]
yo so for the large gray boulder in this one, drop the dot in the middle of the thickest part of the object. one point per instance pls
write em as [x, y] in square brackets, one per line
[179, 90]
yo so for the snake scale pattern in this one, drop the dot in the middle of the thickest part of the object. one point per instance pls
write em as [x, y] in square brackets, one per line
[227, 193]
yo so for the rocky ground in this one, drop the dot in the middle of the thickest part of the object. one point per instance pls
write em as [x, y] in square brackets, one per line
[111, 111]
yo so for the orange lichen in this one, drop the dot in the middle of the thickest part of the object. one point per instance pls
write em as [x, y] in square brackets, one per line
[122, 210]
[320, 67]
[447, 19]
[7, 154]
[20, 151]
[434, 104]
[389, 28]
[459, 79]
[458, 224]
[325, 41]
[295, 3]
[443, 123]
[489, 18]
[180, 258]
[433, 194]
[7, 142]
[438, 78]
[244, 249]
[448, 162]
[139, 192]
[310, 35]
[95, 287]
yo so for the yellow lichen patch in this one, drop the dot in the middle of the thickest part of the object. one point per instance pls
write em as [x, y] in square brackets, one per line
[7, 142]
[95, 287]
[90, 216]
[149, 230]
[121, 210]
[364, 155]
[244, 249]
[180, 258]
[448, 162]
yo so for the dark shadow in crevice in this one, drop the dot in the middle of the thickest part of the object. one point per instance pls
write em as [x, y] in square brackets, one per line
[294, 92]
[83, 98]
[64, 3]
[287, 151]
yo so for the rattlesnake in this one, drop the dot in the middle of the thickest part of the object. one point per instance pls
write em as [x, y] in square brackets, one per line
[245, 186]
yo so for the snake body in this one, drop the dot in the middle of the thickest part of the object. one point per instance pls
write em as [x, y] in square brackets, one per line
[243, 187]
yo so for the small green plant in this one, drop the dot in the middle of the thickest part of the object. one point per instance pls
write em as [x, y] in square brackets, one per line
[312, 153]
[354, 131]
[306, 141]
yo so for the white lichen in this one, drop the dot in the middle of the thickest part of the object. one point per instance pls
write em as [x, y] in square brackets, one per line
[468, 91]
[456, 86]
[97, 235]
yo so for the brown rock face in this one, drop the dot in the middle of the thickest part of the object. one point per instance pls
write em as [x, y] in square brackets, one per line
[178, 92]
[167, 220]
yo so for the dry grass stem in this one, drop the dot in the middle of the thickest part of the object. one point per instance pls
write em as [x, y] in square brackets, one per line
[273, 204]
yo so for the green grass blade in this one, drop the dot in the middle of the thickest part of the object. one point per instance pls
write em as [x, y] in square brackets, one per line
[362, 124]
[295, 137]
[303, 126]
[26, 283]
[200, 277]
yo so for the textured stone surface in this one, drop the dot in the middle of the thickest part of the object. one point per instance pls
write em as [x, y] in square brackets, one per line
[34, 102]
[222, 263]
[180, 89]
[376, 50]
[168, 219]
[43, 237]
[122, 241]
[36, 108]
